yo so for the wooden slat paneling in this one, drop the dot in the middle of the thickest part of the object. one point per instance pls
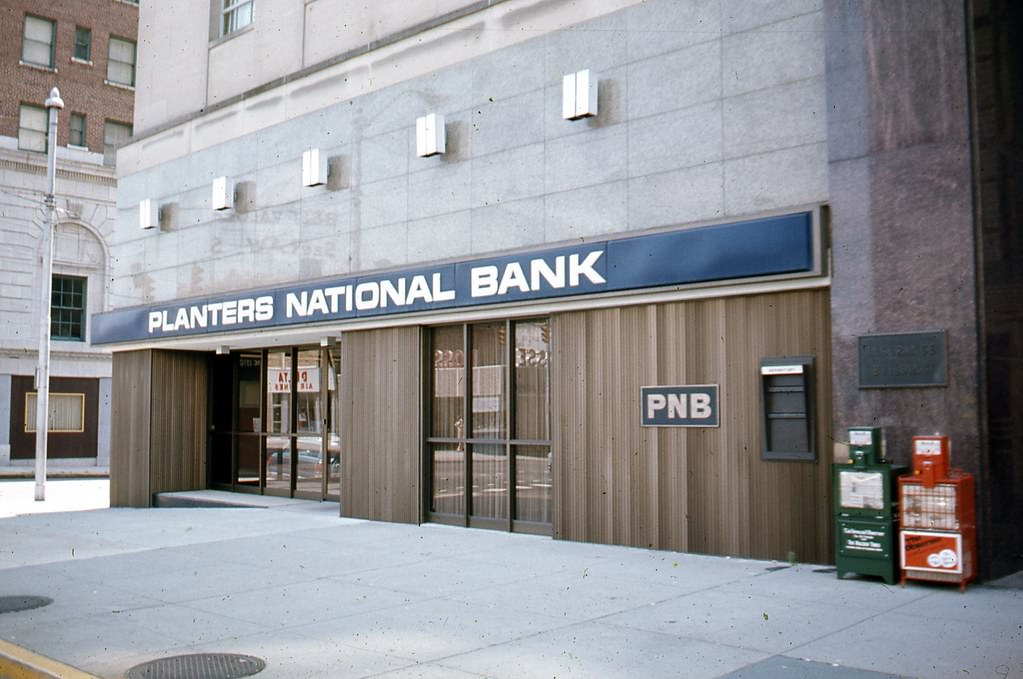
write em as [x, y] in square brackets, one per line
[380, 431]
[178, 433]
[130, 412]
[699, 490]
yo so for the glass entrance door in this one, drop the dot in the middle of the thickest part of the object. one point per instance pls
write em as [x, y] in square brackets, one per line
[276, 422]
[280, 443]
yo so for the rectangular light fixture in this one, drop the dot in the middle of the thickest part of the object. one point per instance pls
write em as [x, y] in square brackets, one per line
[314, 168]
[579, 95]
[149, 214]
[221, 199]
[430, 137]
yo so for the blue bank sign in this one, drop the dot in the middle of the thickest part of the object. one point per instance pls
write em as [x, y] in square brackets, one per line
[769, 246]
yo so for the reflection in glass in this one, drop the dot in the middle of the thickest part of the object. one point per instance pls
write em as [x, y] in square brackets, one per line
[278, 463]
[248, 460]
[488, 381]
[278, 389]
[533, 484]
[448, 479]
[448, 383]
[334, 423]
[532, 386]
[489, 481]
[278, 413]
[307, 392]
[250, 368]
[308, 421]
[480, 450]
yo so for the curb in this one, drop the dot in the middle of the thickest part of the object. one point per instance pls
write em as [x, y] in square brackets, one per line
[20, 663]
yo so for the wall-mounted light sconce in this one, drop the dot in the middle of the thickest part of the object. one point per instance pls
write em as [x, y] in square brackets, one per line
[314, 168]
[431, 139]
[579, 95]
[149, 214]
[223, 350]
[328, 342]
[221, 199]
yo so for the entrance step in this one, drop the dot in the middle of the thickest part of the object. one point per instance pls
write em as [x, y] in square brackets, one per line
[223, 498]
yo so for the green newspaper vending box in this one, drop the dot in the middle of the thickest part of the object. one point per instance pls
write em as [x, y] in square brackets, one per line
[866, 512]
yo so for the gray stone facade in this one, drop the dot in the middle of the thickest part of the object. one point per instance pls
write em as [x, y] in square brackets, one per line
[702, 118]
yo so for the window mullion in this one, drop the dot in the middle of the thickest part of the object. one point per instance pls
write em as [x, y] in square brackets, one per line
[468, 429]
[509, 419]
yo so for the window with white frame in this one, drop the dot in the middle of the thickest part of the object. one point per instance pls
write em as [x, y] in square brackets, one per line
[77, 130]
[235, 15]
[39, 41]
[121, 62]
[114, 135]
[32, 128]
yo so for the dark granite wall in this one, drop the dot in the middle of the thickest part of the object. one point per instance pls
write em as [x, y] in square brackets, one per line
[900, 174]
[997, 60]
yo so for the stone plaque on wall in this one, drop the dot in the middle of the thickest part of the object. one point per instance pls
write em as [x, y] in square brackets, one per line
[912, 359]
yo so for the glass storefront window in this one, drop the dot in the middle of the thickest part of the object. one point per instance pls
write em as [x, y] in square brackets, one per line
[504, 391]
[532, 386]
[533, 483]
[278, 389]
[334, 422]
[489, 406]
[448, 383]
[490, 489]
[448, 478]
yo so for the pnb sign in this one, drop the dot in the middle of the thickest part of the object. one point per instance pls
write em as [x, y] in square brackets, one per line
[680, 406]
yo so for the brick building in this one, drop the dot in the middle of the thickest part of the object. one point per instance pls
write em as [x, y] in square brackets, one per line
[85, 48]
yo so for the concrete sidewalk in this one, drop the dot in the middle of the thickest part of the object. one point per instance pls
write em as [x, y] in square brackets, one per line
[314, 595]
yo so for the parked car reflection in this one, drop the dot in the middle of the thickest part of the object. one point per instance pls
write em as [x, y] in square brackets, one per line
[310, 460]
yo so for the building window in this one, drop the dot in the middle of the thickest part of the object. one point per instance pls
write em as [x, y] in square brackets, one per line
[67, 308]
[40, 40]
[77, 130]
[121, 62]
[489, 446]
[67, 413]
[114, 135]
[32, 128]
[83, 44]
[235, 15]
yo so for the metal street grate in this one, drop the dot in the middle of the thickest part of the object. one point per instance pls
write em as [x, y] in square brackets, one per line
[199, 666]
[13, 604]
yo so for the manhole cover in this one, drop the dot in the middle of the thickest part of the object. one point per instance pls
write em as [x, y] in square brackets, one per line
[199, 666]
[12, 604]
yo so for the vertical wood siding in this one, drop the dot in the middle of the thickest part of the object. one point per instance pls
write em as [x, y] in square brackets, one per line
[698, 490]
[380, 425]
[178, 430]
[158, 433]
[130, 415]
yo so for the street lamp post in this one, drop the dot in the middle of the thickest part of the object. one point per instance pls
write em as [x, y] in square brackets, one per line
[53, 104]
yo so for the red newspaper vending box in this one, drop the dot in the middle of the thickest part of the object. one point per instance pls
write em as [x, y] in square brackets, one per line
[938, 532]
